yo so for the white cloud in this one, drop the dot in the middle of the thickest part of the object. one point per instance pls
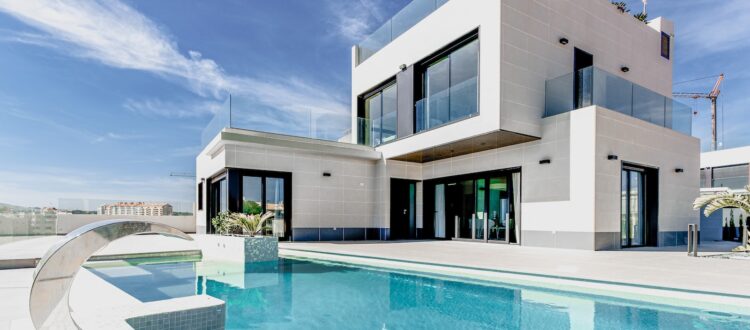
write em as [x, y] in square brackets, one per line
[44, 186]
[708, 27]
[168, 109]
[112, 33]
[355, 20]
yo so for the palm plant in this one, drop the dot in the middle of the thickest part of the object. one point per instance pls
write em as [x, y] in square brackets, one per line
[714, 202]
[252, 224]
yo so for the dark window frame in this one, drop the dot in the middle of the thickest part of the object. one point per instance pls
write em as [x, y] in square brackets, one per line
[666, 45]
[420, 69]
[361, 104]
[200, 196]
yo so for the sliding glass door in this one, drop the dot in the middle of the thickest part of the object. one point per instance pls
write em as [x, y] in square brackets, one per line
[632, 209]
[478, 207]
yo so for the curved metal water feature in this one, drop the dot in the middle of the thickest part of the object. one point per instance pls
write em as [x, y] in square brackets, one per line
[53, 277]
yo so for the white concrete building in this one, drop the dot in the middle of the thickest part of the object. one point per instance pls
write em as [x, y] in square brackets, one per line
[540, 123]
[723, 170]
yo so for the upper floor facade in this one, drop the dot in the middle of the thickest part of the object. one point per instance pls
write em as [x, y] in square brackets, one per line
[446, 77]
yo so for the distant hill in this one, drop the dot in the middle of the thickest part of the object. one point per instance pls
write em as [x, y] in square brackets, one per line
[10, 207]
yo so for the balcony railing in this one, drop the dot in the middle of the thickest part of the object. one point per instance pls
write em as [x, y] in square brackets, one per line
[409, 16]
[455, 103]
[598, 87]
[239, 112]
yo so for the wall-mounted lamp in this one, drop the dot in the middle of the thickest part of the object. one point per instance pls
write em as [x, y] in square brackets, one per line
[545, 161]
[679, 170]
[402, 67]
[326, 174]
[612, 157]
[625, 69]
[564, 41]
[203, 179]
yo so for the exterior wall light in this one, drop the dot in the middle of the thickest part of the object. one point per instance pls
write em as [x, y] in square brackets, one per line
[402, 67]
[612, 157]
[545, 161]
[564, 41]
[679, 170]
[326, 174]
[625, 69]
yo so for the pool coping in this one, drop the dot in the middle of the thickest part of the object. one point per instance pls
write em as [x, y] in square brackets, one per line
[681, 297]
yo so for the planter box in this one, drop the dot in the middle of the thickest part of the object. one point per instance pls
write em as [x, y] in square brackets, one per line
[238, 249]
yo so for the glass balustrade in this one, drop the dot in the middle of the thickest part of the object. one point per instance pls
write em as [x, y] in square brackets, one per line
[405, 19]
[452, 104]
[243, 113]
[598, 87]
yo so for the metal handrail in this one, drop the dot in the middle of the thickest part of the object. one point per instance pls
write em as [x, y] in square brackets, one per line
[53, 277]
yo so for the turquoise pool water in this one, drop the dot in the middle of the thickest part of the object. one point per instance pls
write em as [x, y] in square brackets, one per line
[302, 294]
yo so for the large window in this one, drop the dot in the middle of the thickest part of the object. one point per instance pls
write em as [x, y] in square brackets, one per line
[381, 108]
[733, 177]
[449, 86]
[253, 192]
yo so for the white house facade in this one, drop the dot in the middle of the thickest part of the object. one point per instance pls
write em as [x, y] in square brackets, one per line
[539, 123]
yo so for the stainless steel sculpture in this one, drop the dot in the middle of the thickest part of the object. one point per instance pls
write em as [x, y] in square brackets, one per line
[53, 277]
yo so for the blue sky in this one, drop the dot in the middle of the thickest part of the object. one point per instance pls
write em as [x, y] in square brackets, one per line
[103, 99]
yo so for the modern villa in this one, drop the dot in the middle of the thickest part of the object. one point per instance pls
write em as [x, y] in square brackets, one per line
[543, 124]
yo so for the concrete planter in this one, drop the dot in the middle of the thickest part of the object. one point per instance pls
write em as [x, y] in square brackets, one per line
[241, 249]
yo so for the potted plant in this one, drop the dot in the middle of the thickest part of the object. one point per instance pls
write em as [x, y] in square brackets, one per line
[714, 202]
[240, 238]
[622, 6]
[641, 17]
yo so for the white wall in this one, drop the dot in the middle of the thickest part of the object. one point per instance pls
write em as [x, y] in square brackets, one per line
[519, 51]
[642, 143]
[448, 23]
[531, 52]
[726, 157]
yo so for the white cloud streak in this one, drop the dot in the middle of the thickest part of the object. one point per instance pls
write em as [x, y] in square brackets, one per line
[114, 34]
[356, 19]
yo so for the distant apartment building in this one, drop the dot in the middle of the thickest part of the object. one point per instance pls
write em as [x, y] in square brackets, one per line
[136, 208]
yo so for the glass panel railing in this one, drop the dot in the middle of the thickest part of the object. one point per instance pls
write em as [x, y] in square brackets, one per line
[410, 16]
[364, 131]
[598, 87]
[456, 103]
[220, 121]
[558, 96]
[244, 113]
[404, 20]
[648, 105]
[612, 92]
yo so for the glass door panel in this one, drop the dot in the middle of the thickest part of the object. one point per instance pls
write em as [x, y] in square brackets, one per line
[499, 209]
[636, 208]
[252, 195]
[632, 215]
[478, 217]
[624, 208]
[275, 204]
[467, 208]
[440, 210]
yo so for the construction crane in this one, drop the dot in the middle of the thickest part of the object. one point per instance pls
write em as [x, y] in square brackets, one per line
[712, 95]
[182, 174]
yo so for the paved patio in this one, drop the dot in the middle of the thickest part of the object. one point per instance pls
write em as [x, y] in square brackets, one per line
[661, 267]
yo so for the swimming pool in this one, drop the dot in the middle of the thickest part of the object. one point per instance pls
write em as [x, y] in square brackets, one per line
[306, 294]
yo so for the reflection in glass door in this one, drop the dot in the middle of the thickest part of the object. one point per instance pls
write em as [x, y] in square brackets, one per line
[478, 207]
[499, 209]
[632, 216]
[275, 204]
